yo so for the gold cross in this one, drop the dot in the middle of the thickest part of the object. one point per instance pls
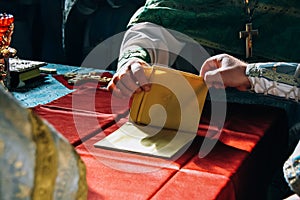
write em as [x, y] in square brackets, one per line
[248, 33]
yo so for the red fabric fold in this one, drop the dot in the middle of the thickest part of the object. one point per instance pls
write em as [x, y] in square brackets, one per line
[190, 184]
[78, 115]
[75, 126]
[244, 125]
[105, 181]
[91, 99]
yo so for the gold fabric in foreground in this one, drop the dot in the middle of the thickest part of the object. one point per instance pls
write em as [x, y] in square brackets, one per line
[36, 161]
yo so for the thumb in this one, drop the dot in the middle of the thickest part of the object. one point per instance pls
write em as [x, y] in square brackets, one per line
[208, 65]
[214, 79]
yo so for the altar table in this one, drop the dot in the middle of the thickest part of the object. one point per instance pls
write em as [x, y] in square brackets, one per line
[239, 166]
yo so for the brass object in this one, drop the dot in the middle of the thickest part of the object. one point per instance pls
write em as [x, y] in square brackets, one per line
[6, 31]
[248, 33]
[78, 78]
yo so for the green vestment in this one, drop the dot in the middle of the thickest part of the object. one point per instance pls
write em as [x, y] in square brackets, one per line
[216, 24]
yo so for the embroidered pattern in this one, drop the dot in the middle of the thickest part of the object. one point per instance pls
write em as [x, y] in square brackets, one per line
[274, 78]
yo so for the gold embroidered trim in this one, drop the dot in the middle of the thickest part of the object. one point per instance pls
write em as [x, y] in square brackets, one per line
[254, 70]
[82, 184]
[46, 159]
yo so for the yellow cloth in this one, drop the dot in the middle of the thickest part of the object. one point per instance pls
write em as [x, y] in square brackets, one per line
[175, 100]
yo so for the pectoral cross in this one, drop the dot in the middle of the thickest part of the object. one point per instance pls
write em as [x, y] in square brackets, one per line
[248, 33]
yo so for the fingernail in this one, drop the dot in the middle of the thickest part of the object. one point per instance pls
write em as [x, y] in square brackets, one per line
[138, 90]
[147, 88]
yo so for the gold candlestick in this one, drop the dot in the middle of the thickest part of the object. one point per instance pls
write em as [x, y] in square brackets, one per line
[6, 31]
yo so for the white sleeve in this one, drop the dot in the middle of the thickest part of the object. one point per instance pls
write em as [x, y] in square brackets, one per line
[269, 82]
[158, 41]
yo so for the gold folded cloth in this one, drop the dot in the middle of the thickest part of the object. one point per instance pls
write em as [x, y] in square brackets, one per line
[175, 101]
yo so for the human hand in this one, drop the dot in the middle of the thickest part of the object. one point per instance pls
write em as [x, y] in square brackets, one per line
[223, 70]
[129, 79]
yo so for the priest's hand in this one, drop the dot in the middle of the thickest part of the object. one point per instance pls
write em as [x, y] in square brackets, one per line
[129, 79]
[223, 70]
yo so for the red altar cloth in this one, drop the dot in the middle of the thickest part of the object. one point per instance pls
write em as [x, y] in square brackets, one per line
[238, 167]
[80, 114]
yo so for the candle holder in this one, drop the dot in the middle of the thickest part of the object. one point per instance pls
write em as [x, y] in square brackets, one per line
[6, 31]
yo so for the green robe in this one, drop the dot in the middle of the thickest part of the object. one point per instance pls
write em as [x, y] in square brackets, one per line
[216, 24]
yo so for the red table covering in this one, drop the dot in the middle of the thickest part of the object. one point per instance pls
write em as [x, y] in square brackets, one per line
[239, 166]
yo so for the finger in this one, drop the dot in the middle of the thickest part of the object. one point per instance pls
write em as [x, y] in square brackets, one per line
[114, 79]
[139, 74]
[119, 90]
[124, 89]
[116, 87]
[115, 91]
[130, 83]
[209, 65]
[214, 79]
[218, 85]
[111, 85]
[123, 80]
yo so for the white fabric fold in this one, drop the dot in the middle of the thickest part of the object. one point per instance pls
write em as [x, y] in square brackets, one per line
[268, 87]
